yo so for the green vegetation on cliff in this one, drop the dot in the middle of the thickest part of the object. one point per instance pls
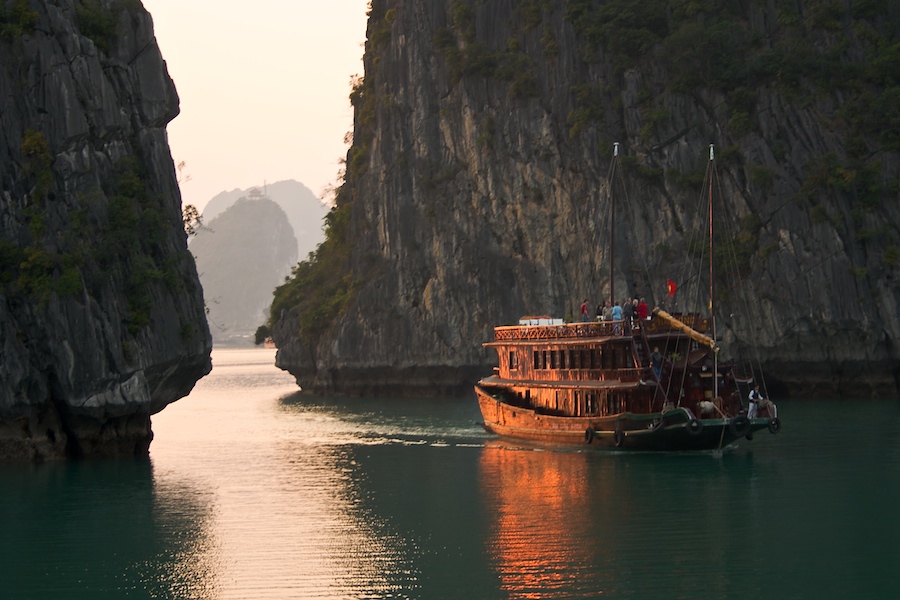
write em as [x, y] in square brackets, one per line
[812, 47]
[97, 20]
[121, 237]
[321, 287]
[467, 56]
[16, 19]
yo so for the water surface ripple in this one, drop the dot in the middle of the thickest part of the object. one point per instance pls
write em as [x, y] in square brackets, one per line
[255, 491]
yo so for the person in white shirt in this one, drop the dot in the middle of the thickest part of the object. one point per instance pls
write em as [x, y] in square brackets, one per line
[755, 397]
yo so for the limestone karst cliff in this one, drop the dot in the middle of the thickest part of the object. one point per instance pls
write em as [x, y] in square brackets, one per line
[102, 319]
[475, 183]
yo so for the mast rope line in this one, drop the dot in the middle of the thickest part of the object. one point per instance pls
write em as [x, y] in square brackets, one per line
[631, 227]
[738, 283]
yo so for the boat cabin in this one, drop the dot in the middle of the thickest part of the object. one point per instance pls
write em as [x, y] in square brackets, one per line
[575, 369]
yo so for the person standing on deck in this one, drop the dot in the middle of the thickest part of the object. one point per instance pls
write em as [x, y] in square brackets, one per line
[616, 317]
[607, 311]
[584, 310]
[628, 312]
[656, 362]
[754, 398]
[642, 310]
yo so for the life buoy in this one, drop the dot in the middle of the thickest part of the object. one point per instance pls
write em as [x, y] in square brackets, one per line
[774, 425]
[740, 426]
[588, 435]
[618, 438]
[694, 427]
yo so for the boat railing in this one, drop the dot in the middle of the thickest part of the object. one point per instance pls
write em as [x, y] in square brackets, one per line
[556, 332]
[629, 375]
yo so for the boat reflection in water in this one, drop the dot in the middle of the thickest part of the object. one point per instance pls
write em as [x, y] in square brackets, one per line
[541, 539]
[618, 525]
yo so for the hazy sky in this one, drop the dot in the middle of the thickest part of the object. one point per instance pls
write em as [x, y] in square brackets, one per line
[264, 89]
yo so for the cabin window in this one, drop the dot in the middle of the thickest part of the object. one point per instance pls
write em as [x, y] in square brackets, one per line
[562, 359]
[544, 363]
[536, 358]
[513, 362]
[573, 359]
[554, 359]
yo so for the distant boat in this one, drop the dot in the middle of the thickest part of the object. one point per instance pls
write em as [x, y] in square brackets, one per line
[592, 383]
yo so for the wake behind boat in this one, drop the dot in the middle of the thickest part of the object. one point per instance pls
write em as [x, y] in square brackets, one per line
[595, 383]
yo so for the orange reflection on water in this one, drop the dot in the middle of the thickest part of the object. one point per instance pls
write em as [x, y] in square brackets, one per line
[541, 540]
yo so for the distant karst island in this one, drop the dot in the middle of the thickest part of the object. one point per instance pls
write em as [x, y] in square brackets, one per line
[248, 243]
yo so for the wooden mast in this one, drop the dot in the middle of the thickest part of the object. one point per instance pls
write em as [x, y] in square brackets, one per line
[712, 280]
[612, 223]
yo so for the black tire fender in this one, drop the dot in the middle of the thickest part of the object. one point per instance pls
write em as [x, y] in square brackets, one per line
[774, 425]
[694, 427]
[588, 435]
[618, 438]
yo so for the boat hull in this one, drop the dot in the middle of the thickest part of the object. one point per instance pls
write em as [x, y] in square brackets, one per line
[672, 430]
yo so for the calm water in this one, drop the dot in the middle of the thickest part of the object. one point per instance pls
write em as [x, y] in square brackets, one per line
[254, 492]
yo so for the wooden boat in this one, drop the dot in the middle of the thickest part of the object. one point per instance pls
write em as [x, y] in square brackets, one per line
[591, 383]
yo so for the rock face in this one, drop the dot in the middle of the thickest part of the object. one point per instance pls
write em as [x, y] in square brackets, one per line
[304, 211]
[476, 183]
[101, 313]
[242, 256]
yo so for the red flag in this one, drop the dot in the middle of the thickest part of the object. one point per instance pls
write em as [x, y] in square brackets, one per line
[670, 285]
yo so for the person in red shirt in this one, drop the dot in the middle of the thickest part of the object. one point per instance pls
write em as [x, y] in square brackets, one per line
[642, 310]
[584, 310]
